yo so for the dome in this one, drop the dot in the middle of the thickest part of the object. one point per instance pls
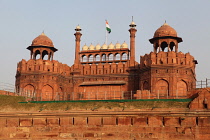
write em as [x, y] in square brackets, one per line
[85, 47]
[117, 46]
[78, 27]
[124, 45]
[165, 30]
[104, 46]
[92, 47]
[132, 23]
[111, 46]
[42, 40]
[98, 47]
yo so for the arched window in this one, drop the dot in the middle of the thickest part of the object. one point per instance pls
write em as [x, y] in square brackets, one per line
[162, 88]
[182, 88]
[44, 55]
[97, 57]
[171, 46]
[145, 85]
[111, 57]
[124, 56]
[163, 45]
[37, 54]
[103, 57]
[84, 58]
[29, 90]
[47, 93]
[117, 56]
[90, 58]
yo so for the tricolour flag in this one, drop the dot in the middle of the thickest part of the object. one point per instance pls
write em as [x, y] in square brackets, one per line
[108, 27]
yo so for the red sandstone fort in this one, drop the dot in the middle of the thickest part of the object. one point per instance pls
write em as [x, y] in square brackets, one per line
[109, 71]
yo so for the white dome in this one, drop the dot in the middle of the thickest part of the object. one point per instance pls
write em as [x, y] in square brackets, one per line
[85, 47]
[92, 47]
[104, 46]
[78, 27]
[117, 45]
[98, 47]
[111, 46]
[124, 45]
[132, 23]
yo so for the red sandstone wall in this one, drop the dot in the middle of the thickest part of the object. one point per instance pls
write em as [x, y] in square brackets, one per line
[108, 126]
[2, 92]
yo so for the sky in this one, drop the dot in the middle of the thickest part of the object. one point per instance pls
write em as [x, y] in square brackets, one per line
[23, 20]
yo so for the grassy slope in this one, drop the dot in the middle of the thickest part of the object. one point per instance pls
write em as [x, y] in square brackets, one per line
[10, 103]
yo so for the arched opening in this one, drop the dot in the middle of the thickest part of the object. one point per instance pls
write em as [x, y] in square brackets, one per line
[84, 58]
[171, 46]
[37, 55]
[47, 93]
[103, 57]
[97, 57]
[124, 56]
[117, 56]
[44, 55]
[163, 45]
[162, 88]
[182, 88]
[29, 90]
[111, 57]
[90, 58]
[146, 85]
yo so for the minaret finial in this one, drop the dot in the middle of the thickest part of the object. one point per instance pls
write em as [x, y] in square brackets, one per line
[78, 29]
[165, 23]
[43, 33]
[132, 25]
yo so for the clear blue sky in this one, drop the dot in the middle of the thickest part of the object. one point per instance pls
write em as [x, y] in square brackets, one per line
[23, 20]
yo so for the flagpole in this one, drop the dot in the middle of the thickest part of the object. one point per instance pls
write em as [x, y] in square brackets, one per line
[106, 37]
[106, 34]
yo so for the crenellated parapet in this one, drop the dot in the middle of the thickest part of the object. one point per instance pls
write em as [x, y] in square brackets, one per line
[43, 66]
[106, 68]
[167, 58]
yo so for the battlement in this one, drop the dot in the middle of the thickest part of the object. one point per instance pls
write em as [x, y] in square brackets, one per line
[43, 66]
[167, 58]
[104, 68]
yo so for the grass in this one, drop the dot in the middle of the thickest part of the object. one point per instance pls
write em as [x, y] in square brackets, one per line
[10, 103]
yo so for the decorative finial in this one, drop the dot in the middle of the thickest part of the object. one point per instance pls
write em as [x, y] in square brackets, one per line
[165, 23]
[78, 29]
[43, 33]
[132, 25]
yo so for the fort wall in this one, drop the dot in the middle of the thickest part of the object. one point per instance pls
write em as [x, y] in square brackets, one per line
[110, 125]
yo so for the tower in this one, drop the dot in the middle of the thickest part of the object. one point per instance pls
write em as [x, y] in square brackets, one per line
[165, 37]
[42, 45]
[132, 31]
[41, 76]
[77, 47]
[165, 71]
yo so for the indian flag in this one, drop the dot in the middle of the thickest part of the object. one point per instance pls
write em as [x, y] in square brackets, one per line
[108, 27]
